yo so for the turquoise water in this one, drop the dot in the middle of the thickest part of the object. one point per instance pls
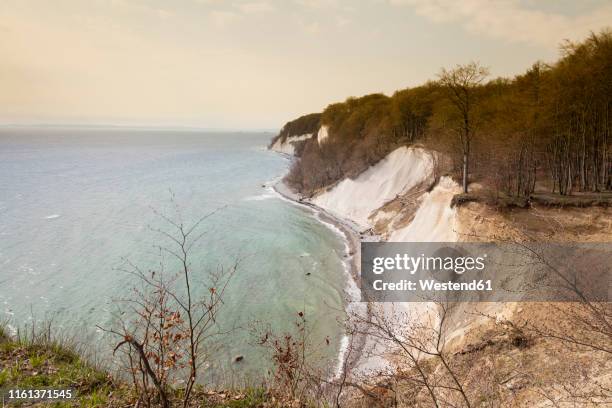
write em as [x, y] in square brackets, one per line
[74, 202]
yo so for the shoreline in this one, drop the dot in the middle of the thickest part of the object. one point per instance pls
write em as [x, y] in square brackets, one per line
[372, 355]
[352, 239]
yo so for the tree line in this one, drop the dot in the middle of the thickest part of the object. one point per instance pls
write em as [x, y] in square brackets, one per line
[547, 129]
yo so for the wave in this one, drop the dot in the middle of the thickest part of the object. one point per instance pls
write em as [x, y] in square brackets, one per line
[260, 197]
[52, 216]
[351, 290]
[269, 191]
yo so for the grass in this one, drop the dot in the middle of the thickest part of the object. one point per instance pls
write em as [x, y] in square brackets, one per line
[43, 363]
[32, 365]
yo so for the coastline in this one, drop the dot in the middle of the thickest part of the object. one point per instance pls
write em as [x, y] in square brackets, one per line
[350, 232]
[432, 220]
[352, 261]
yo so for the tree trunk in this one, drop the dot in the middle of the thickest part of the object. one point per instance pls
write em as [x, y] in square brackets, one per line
[147, 368]
[465, 172]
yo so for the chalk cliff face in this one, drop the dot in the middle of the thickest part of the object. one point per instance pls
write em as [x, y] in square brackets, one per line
[322, 134]
[295, 133]
[398, 198]
[435, 220]
[396, 174]
[289, 144]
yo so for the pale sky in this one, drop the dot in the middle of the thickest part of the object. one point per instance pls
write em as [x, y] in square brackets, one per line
[253, 64]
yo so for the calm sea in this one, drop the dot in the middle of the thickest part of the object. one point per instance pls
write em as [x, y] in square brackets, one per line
[75, 202]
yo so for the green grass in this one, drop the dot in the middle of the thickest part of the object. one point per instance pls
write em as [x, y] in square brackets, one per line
[32, 365]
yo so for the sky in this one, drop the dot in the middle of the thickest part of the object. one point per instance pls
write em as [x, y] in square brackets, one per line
[255, 64]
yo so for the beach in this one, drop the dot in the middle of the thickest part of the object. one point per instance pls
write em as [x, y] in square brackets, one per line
[352, 238]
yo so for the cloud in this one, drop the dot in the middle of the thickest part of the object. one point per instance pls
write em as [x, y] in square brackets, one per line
[312, 27]
[342, 22]
[256, 7]
[510, 20]
[208, 2]
[221, 18]
[317, 4]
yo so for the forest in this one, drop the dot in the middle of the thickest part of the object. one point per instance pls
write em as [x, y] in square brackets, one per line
[546, 130]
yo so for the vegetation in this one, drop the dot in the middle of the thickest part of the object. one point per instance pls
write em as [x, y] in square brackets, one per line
[166, 334]
[546, 130]
[300, 126]
[461, 84]
[40, 361]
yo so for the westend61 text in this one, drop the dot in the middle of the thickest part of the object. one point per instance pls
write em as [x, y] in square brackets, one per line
[433, 285]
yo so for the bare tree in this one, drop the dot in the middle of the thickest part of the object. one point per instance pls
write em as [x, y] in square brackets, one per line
[421, 342]
[581, 320]
[461, 83]
[292, 359]
[152, 334]
[168, 321]
[200, 313]
[577, 317]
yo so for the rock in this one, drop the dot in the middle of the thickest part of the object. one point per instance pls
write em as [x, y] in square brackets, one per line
[238, 359]
[307, 273]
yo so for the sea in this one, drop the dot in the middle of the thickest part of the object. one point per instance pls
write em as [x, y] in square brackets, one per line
[79, 205]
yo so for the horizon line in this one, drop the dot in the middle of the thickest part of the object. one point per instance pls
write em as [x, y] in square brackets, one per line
[135, 127]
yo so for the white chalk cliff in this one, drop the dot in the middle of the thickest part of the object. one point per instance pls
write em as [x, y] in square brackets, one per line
[404, 170]
[400, 171]
[322, 134]
[434, 220]
[394, 175]
[287, 146]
